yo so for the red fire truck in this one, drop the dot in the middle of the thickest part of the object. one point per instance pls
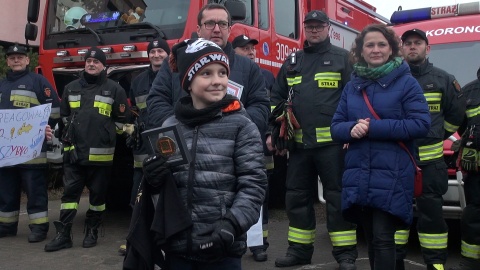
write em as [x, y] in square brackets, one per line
[453, 32]
[123, 28]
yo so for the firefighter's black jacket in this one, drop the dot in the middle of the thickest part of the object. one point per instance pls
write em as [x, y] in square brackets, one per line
[317, 75]
[472, 96]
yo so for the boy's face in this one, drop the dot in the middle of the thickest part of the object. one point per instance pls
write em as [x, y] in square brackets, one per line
[209, 85]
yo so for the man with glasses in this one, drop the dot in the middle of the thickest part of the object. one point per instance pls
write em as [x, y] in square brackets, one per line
[22, 89]
[245, 46]
[447, 109]
[313, 78]
[245, 80]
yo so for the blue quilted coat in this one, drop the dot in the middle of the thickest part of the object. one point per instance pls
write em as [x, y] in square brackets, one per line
[378, 173]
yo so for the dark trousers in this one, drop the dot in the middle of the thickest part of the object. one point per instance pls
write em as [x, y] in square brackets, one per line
[95, 178]
[305, 165]
[471, 213]
[33, 182]
[430, 212]
[379, 228]
[137, 178]
[177, 263]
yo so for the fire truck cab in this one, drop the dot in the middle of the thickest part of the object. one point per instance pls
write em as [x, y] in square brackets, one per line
[453, 32]
[123, 28]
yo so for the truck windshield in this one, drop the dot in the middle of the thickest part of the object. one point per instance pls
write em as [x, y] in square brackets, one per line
[168, 15]
[459, 59]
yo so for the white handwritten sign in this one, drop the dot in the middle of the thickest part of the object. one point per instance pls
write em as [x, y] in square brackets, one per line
[22, 132]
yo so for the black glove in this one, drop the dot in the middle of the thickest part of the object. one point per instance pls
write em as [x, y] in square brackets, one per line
[134, 140]
[156, 170]
[217, 243]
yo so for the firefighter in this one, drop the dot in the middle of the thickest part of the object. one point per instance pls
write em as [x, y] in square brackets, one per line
[93, 109]
[245, 46]
[447, 108]
[313, 79]
[19, 90]
[469, 162]
[157, 51]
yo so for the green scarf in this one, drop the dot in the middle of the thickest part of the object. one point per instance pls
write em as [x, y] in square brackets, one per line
[374, 73]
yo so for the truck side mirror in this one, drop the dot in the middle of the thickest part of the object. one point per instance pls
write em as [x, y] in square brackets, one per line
[33, 10]
[237, 10]
[31, 31]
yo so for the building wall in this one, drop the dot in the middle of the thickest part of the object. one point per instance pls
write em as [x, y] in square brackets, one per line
[13, 17]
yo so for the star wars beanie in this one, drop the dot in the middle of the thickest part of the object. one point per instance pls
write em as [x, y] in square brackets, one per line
[96, 53]
[190, 56]
[158, 43]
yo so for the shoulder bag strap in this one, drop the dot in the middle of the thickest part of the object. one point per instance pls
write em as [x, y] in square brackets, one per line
[402, 145]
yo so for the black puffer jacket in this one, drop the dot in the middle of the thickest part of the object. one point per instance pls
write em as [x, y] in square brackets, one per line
[229, 176]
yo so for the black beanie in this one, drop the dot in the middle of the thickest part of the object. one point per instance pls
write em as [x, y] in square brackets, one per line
[191, 55]
[96, 53]
[158, 43]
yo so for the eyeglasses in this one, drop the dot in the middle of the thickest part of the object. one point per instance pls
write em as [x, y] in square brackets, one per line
[209, 25]
[318, 28]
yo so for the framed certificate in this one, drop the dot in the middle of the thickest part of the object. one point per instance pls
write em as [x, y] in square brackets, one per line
[168, 142]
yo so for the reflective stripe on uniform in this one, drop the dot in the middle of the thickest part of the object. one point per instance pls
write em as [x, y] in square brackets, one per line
[268, 162]
[429, 152]
[101, 154]
[69, 206]
[74, 101]
[301, 236]
[294, 80]
[323, 134]
[433, 97]
[68, 148]
[24, 96]
[449, 127]
[98, 208]
[299, 135]
[473, 112]
[104, 105]
[343, 238]
[470, 251]
[138, 160]
[433, 241]
[401, 237]
[272, 108]
[38, 218]
[141, 101]
[265, 233]
[9, 217]
[40, 159]
[55, 113]
[333, 76]
[119, 128]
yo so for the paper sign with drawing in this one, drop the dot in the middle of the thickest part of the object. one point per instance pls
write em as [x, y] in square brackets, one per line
[22, 132]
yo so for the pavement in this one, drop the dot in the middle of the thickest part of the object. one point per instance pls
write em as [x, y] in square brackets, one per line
[17, 253]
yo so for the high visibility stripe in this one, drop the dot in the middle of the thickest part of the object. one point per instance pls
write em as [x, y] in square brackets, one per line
[449, 127]
[141, 101]
[334, 76]
[69, 206]
[323, 134]
[301, 236]
[138, 160]
[24, 96]
[294, 80]
[119, 128]
[401, 237]
[74, 101]
[9, 217]
[68, 148]
[38, 218]
[55, 113]
[433, 97]
[433, 241]
[343, 238]
[40, 159]
[473, 112]
[98, 208]
[470, 251]
[102, 99]
[298, 135]
[101, 154]
[265, 233]
[432, 151]
[272, 108]
[268, 162]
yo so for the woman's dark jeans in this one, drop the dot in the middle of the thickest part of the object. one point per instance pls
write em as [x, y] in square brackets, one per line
[379, 228]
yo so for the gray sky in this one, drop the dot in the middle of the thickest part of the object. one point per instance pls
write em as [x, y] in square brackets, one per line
[387, 7]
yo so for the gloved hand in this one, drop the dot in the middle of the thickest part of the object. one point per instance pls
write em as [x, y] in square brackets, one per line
[218, 242]
[156, 170]
[469, 160]
[134, 138]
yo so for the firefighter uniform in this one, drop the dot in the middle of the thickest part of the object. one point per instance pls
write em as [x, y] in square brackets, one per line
[447, 108]
[470, 222]
[21, 90]
[314, 78]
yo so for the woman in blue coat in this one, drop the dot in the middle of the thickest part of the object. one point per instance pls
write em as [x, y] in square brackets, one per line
[377, 185]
